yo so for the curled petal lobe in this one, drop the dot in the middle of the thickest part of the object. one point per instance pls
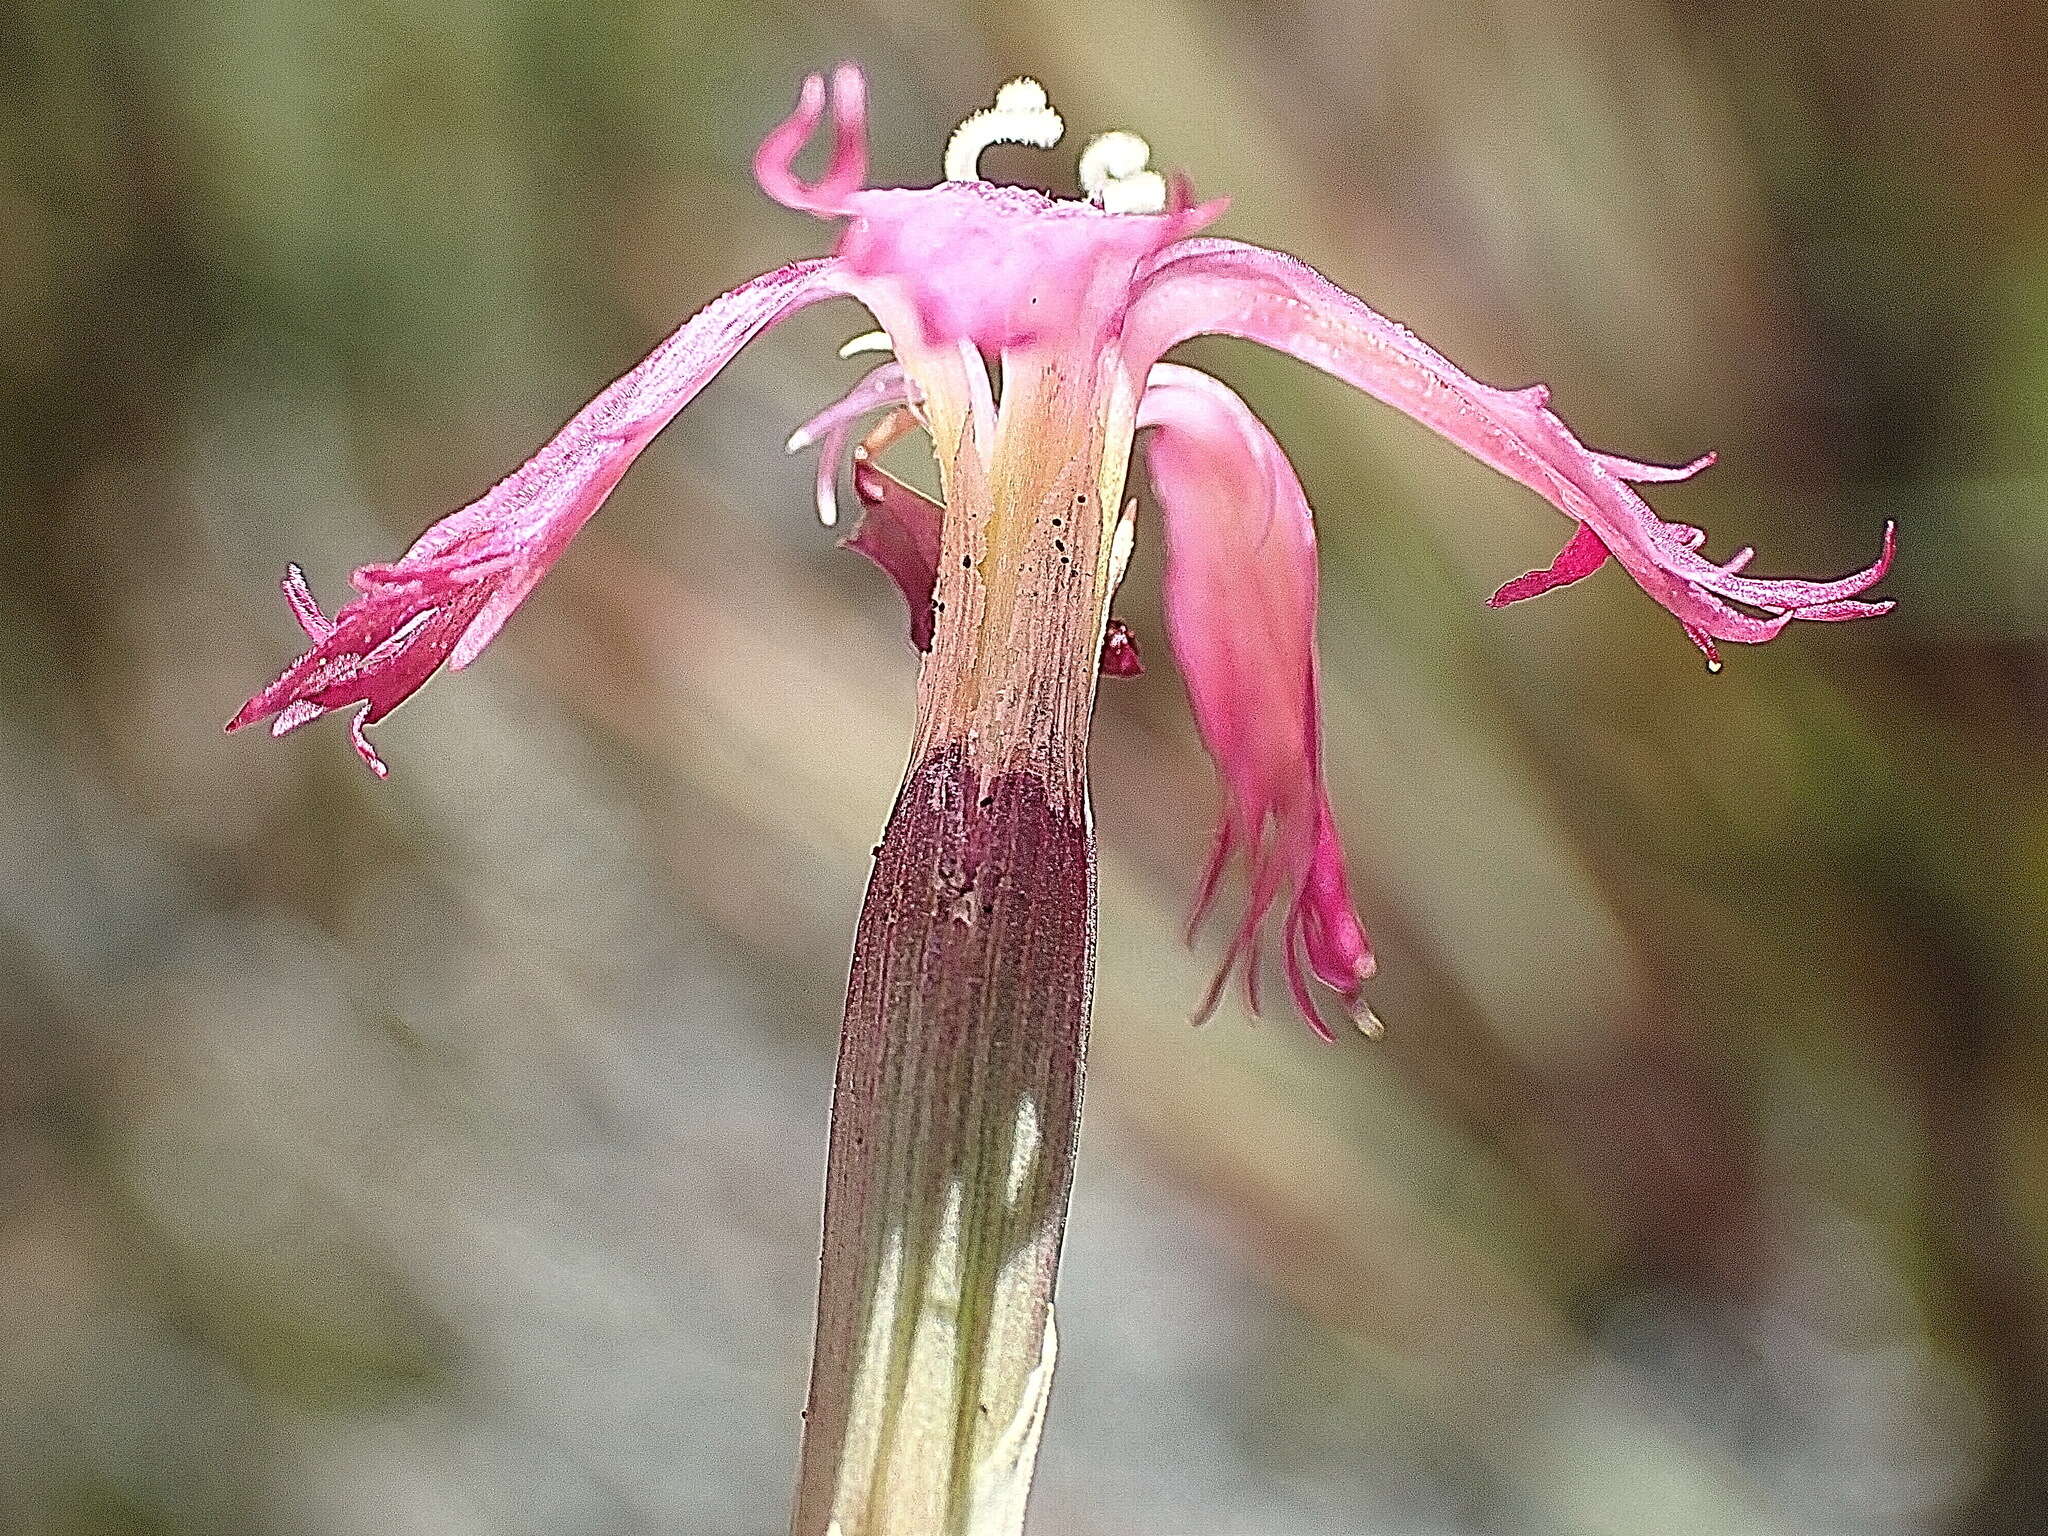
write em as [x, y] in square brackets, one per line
[880, 389]
[846, 174]
[304, 606]
[1324, 927]
[453, 590]
[1240, 599]
[1223, 287]
[1653, 474]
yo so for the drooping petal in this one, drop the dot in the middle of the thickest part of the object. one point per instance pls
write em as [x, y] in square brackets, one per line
[1240, 598]
[1223, 287]
[454, 589]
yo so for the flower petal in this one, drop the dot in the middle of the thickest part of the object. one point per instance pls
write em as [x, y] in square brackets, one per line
[998, 266]
[775, 160]
[1240, 597]
[879, 389]
[454, 589]
[1224, 287]
[899, 530]
[1582, 555]
[1645, 474]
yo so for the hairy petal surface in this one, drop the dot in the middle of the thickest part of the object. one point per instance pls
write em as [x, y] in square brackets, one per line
[454, 589]
[1223, 287]
[1240, 598]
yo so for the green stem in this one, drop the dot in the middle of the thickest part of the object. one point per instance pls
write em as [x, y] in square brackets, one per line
[958, 1097]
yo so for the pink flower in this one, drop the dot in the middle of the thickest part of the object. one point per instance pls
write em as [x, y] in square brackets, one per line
[1073, 303]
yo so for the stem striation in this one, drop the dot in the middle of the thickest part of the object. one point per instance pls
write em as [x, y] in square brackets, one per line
[954, 1119]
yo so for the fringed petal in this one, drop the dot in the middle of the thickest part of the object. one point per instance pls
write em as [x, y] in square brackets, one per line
[1653, 474]
[1223, 287]
[1240, 598]
[454, 589]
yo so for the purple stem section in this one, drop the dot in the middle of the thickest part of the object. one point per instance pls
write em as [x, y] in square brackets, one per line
[966, 1015]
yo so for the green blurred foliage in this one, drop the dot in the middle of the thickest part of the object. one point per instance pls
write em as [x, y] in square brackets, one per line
[443, 1155]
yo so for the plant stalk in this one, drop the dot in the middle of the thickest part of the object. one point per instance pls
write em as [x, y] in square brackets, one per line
[957, 1100]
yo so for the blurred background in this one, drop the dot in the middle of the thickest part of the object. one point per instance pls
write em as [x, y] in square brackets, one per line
[444, 1155]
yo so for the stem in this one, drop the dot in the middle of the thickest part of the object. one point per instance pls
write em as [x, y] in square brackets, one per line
[958, 1097]
[954, 1118]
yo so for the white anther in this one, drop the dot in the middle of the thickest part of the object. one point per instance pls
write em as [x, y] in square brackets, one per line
[1114, 174]
[1021, 95]
[1021, 115]
[1111, 157]
[867, 341]
[1142, 193]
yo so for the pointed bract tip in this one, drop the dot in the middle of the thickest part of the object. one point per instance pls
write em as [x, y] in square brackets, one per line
[1120, 655]
[1583, 554]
